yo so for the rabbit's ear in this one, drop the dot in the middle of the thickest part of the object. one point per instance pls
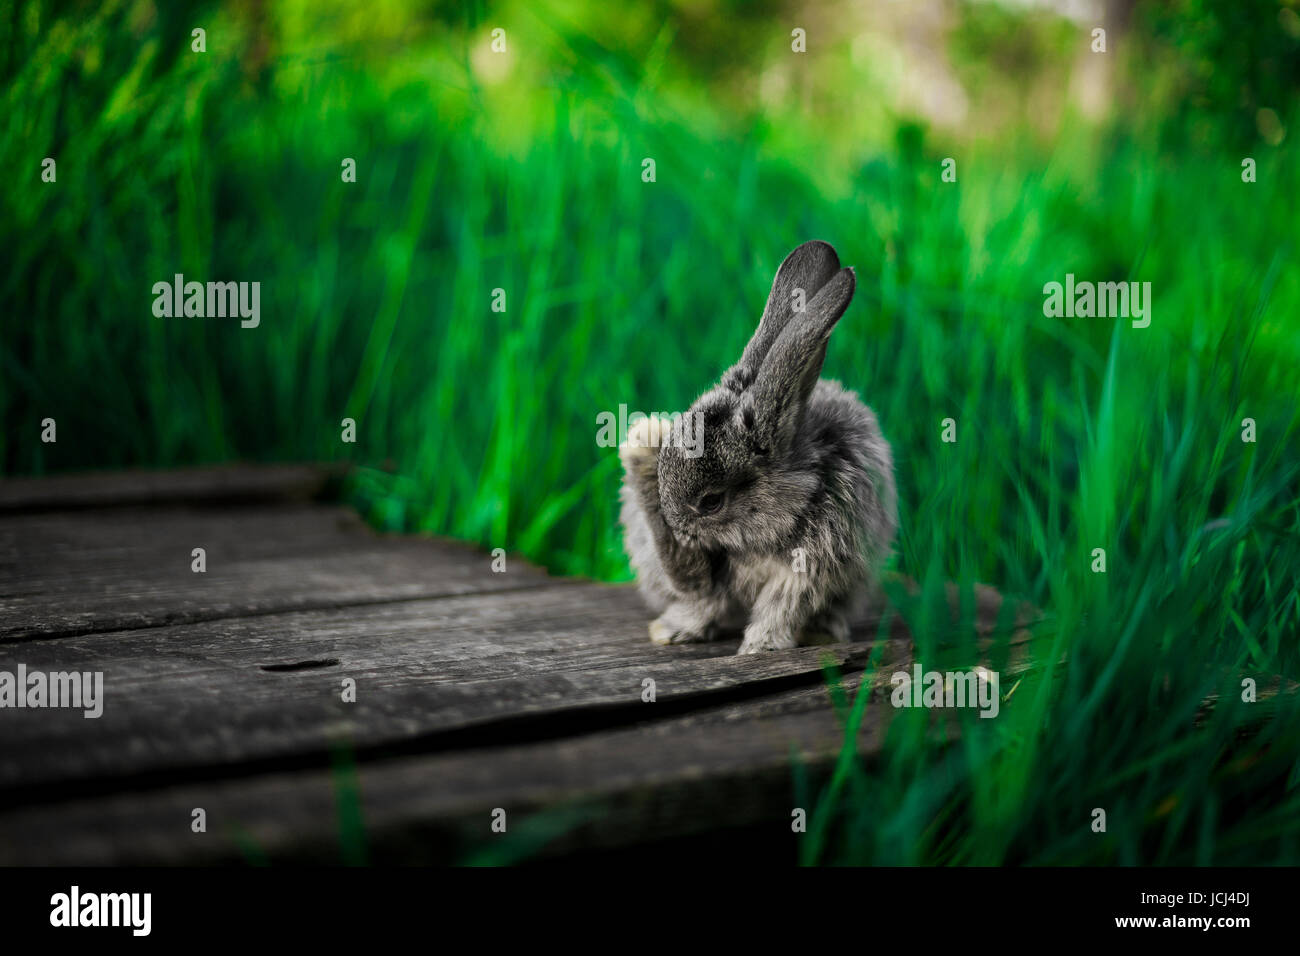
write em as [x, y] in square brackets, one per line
[794, 363]
[807, 269]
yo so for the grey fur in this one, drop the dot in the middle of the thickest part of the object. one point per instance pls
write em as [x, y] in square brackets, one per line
[802, 465]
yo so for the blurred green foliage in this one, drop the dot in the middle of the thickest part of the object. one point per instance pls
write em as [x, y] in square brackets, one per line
[522, 171]
[1232, 70]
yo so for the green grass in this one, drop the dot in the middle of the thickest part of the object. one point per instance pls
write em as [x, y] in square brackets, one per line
[1073, 434]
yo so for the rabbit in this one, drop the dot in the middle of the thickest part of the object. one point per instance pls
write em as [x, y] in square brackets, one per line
[780, 522]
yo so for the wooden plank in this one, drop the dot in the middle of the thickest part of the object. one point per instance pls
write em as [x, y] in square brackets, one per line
[463, 671]
[131, 567]
[218, 483]
[428, 674]
[498, 687]
[727, 766]
[715, 769]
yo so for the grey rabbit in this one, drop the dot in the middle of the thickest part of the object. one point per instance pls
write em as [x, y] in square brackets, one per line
[779, 521]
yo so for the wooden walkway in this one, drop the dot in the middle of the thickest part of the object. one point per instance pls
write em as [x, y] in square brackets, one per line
[475, 691]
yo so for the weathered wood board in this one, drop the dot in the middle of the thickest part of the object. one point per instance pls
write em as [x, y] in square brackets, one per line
[474, 690]
[78, 572]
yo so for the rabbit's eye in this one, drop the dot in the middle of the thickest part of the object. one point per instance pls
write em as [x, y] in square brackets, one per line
[710, 503]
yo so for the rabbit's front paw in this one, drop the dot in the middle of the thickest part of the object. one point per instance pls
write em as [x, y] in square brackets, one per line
[643, 440]
[672, 632]
[758, 640]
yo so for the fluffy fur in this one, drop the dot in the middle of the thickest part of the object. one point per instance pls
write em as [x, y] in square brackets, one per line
[780, 526]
